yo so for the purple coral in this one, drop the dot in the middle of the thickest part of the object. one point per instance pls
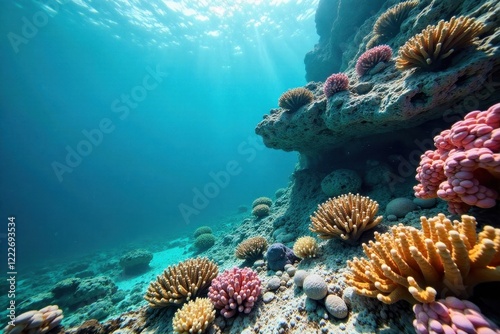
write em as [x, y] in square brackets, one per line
[450, 316]
[335, 83]
[235, 291]
[373, 56]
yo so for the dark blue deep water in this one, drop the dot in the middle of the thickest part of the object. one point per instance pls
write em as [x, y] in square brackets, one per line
[115, 114]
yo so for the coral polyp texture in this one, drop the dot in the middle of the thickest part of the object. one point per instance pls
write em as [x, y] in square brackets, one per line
[34, 321]
[370, 58]
[435, 44]
[295, 98]
[235, 291]
[388, 24]
[194, 317]
[261, 210]
[335, 83]
[181, 282]
[464, 170]
[251, 249]
[444, 258]
[262, 200]
[305, 247]
[451, 315]
[345, 217]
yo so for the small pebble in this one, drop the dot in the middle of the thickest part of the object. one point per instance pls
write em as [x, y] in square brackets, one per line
[268, 297]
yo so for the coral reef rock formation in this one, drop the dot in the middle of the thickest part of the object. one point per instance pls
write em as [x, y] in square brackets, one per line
[390, 100]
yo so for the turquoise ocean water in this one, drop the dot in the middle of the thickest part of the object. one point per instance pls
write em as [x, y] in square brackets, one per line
[116, 115]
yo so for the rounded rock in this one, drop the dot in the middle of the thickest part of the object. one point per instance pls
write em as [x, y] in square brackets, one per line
[299, 277]
[336, 306]
[268, 297]
[274, 283]
[315, 287]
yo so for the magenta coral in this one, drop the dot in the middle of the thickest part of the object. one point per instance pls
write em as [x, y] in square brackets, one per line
[335, 83]
[450, 316]
[235, 291]
[373, 56]
[464, 170]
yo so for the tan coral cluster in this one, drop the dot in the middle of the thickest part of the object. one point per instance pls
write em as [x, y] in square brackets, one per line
[443, 258]
[295, 98]
[345, 217]
[251, 248]
[436, 43]
[194, 317]
[34, 321]
[181, 282]
[305, 247]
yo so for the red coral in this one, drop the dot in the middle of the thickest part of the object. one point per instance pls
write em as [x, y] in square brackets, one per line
[465, 168]
[373, 56]
[335, 83]
[235, 291]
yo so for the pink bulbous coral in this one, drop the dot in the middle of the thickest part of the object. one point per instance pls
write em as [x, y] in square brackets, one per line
[451, 316]
[235, 291]
[335, 83]
[464, 170]
[373, 56]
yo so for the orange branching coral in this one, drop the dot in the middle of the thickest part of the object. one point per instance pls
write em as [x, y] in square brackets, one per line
[345, 217]
[444, 257]
[251, 248]
[181, 282]
[436, 43]
[295, 98]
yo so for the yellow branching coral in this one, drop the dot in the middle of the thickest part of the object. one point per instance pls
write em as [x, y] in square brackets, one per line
[194, 317]
[251, 248]
[295, 98]
[444, 257]
[305, 247]
[435, 44]
[181, 282]
[345, 217]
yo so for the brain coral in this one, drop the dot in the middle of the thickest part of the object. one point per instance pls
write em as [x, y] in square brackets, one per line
[181, 282]
[194, 317]
[443, 258]
[204, 241]
[202, 230]
[429, 49]
[262, 200]
[464, 170]
[261, 210]
[295, 98]
[235, 291]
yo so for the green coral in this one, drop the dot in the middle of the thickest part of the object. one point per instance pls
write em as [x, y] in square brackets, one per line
[204, 241]
[202, 230]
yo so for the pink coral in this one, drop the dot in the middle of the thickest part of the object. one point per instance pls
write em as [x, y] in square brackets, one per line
[335, 83]
[373, 56]
[464, 170]
[450, 316]
[235, 291]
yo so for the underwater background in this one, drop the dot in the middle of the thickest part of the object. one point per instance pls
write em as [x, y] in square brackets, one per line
[250, 167]
[214, 68]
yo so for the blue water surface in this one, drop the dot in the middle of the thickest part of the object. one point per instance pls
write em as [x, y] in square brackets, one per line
[116, 115]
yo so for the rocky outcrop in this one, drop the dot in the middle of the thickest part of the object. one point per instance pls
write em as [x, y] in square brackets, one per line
[391, 100]
[337, 22]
